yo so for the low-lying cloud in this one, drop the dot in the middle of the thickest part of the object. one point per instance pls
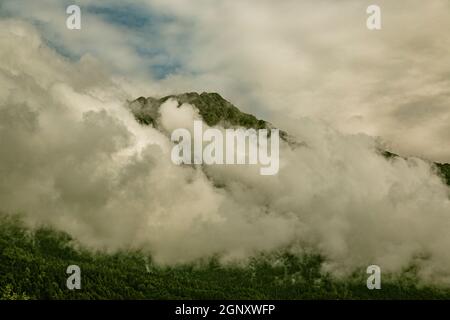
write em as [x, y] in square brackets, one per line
[72, 156]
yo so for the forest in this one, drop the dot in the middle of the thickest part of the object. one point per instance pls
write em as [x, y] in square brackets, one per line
[33, 266]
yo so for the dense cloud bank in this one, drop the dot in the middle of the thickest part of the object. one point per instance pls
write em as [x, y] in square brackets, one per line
[72, 156]
[278, 59]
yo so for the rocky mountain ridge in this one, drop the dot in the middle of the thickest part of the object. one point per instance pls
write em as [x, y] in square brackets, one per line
[214, 110]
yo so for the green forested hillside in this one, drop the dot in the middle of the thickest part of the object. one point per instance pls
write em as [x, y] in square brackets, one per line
[445, 170]
[214, 109]
[33, 266]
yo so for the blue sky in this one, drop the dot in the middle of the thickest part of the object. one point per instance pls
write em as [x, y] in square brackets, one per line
[138, 29]
[145, 27]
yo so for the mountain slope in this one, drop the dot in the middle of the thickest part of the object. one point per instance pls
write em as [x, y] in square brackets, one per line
[214, 109]
[33, 266]
[445, 171]
[33, 263]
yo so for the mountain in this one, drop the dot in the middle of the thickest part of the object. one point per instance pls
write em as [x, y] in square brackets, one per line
[214, 109]
[33, 263]
[445, 170]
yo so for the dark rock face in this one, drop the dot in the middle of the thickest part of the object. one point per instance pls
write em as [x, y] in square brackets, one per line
[146, 110]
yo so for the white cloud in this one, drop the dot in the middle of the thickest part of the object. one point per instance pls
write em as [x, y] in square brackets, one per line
[74, 158]
[317, 59]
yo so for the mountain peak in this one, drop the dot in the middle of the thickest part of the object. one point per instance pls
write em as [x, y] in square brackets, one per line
[213, 109]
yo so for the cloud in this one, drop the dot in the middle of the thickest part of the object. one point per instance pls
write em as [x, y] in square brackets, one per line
[174, 116]
[317, 59]
[74, 157]
[278, 61]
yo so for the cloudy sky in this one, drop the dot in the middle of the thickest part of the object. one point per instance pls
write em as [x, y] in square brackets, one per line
[73, 157]
[278, 60]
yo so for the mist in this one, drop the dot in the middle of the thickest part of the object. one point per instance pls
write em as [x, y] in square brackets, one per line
[74, 158]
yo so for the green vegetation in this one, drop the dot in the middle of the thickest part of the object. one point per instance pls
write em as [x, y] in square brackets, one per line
[33, 266]
[213, 109]
[445, 170]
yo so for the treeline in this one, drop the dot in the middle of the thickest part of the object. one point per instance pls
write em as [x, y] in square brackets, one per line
[33, 266]
[445, 170]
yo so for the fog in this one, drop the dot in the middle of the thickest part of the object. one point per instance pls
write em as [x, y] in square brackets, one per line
[73, 157]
